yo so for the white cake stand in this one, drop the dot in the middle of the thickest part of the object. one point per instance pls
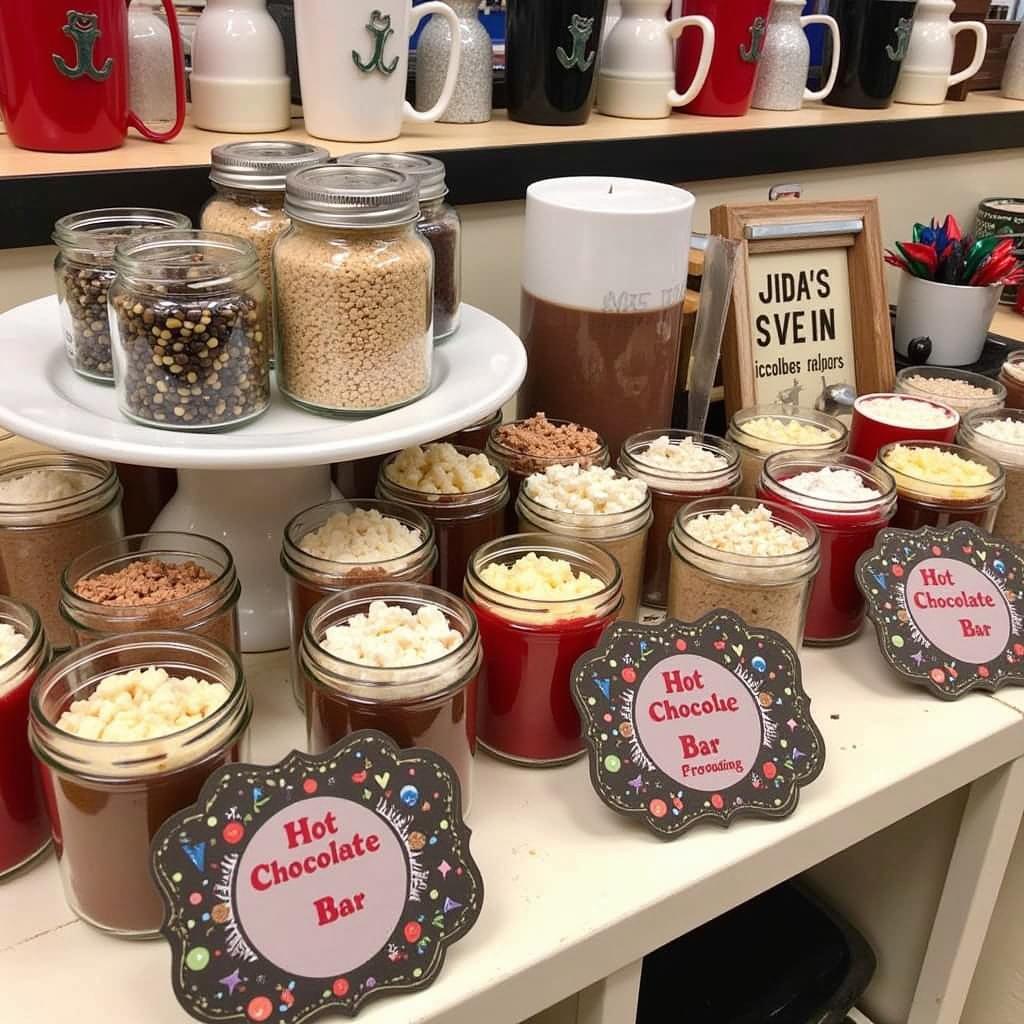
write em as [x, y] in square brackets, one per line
[242, 486]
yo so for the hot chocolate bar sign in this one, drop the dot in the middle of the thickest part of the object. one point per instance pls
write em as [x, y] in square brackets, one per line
[693, 722]
[947, 607]
[316, 884]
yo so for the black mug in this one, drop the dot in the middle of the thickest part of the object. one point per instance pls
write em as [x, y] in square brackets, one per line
[551, 59]
[875, 35]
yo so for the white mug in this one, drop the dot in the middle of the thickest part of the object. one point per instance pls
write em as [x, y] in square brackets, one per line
[353, 63]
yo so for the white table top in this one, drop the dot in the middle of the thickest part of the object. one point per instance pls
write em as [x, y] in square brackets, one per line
[573, 891]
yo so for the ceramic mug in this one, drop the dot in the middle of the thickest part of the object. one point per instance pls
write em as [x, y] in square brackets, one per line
[636, 75]
[353, 63]
[551, 52]
[875, 37]
[740, 27]
[64, 75]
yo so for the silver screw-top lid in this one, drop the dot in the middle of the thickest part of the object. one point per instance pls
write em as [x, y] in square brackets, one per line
[262, 166]
[426, 171]
[337, 195]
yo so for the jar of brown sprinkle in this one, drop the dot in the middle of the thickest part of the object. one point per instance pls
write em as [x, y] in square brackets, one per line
[354, 292]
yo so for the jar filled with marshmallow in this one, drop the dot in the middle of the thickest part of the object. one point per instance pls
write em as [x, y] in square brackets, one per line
[999, 435]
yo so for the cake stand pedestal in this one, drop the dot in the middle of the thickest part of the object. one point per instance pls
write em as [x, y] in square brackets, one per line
[242, 486]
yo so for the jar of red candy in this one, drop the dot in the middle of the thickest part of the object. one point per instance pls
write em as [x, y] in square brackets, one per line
[849, 500]
[24, 828]
[541, 602]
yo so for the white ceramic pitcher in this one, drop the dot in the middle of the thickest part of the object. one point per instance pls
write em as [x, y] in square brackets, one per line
[786, 58]
[925, 74]
[353, 65]
[636, 77]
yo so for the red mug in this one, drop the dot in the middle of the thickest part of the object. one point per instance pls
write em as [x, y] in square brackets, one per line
[64, 74]
[740, 27]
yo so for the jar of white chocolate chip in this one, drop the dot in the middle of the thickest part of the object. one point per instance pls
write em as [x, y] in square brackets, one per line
[999, 434]
[248, 183]
[353, 286]
[439, 224]
[190, 331]
[84, 269]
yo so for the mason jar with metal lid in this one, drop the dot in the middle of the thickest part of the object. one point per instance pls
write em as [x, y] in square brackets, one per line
[84, 269]
[248, 182]
[439, 224]
[354, 287]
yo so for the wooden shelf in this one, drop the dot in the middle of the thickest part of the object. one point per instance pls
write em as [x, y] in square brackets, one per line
[496, 161]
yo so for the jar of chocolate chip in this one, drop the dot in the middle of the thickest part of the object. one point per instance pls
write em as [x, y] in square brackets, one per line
[190, 331]
[84, 269]
[439, 224]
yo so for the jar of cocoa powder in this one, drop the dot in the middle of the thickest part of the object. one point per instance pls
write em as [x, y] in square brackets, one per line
[531, 445]
[439, 224]
[341, 544]
[163, 580]
[462, 492]
[84, 268]
[52, 509]
[354, 285]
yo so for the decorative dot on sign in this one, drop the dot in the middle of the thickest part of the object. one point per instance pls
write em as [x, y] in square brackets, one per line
[1018, 649]
[309, 786]
[897, 571]
[409, 795]
[938, 675]
[443, 824]
[340, 987]
[434, 894]
[260, 1008]
[983, 671]
[999, 566]
[412, 931]
[758, 664]
[233, 832]
[176, 877]
[591, 701]
[211, 821]
[607, 718]
[680, 645]
[628, 675]
[896, 640]
[658, 808]
[936, 550]
[716, 801]
[769, 770]
[418, 972]
[612, 763]
[197, 959]
[195, 898]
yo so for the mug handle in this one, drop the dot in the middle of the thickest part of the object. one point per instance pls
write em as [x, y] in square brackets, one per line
[707, 48]
[454, 60]
[833, 27]
[981, 33]
[177, 60]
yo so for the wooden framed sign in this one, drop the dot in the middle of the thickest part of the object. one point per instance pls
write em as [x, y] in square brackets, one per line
[809, 305]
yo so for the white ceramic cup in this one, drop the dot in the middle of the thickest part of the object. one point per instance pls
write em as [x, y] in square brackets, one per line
[955, 317]
[353, 63]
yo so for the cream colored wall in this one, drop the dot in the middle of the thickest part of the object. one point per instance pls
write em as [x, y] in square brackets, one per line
[888, 885]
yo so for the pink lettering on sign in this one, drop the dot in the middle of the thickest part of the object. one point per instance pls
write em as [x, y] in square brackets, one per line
[698, 722]
[321, 886]
[958, 609]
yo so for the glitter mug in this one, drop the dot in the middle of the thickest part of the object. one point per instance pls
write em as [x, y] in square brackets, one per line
[64, 76]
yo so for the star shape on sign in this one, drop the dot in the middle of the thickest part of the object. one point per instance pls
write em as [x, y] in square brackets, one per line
[792, 724]
[444, 867]
[917, 658]
[637, 782]
[232, 981]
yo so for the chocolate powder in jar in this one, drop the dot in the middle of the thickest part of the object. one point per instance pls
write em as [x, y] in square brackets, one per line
[615, 372]
[444, 240]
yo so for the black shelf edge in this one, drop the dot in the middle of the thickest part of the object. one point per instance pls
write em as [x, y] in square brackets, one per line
[485, 175]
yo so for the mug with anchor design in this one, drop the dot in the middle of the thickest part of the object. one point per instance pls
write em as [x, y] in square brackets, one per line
[64, 75]
[740, 27]
[353, 63]
[551, 51]
[875, 37]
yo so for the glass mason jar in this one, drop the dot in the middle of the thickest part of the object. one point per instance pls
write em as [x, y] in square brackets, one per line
[24, 827]
[310, 579]
[477, 434]
[439, 224]
[433, 705]
[670, 490]
[814, 433]
[1011, 376]
[248, 193]
[1009, 522]
[84, 269]
[353, 286]
[770, 591]
[925, 500]
[958, 389]
[39, 538]
[462, 522]
[190, 327]
[622, 534]
[211, 611]
[520, 465]
[847, 528]
[873, 424]
[527, 713]
[107, 799]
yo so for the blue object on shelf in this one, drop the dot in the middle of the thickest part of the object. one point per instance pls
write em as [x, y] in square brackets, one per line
[492, 15]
